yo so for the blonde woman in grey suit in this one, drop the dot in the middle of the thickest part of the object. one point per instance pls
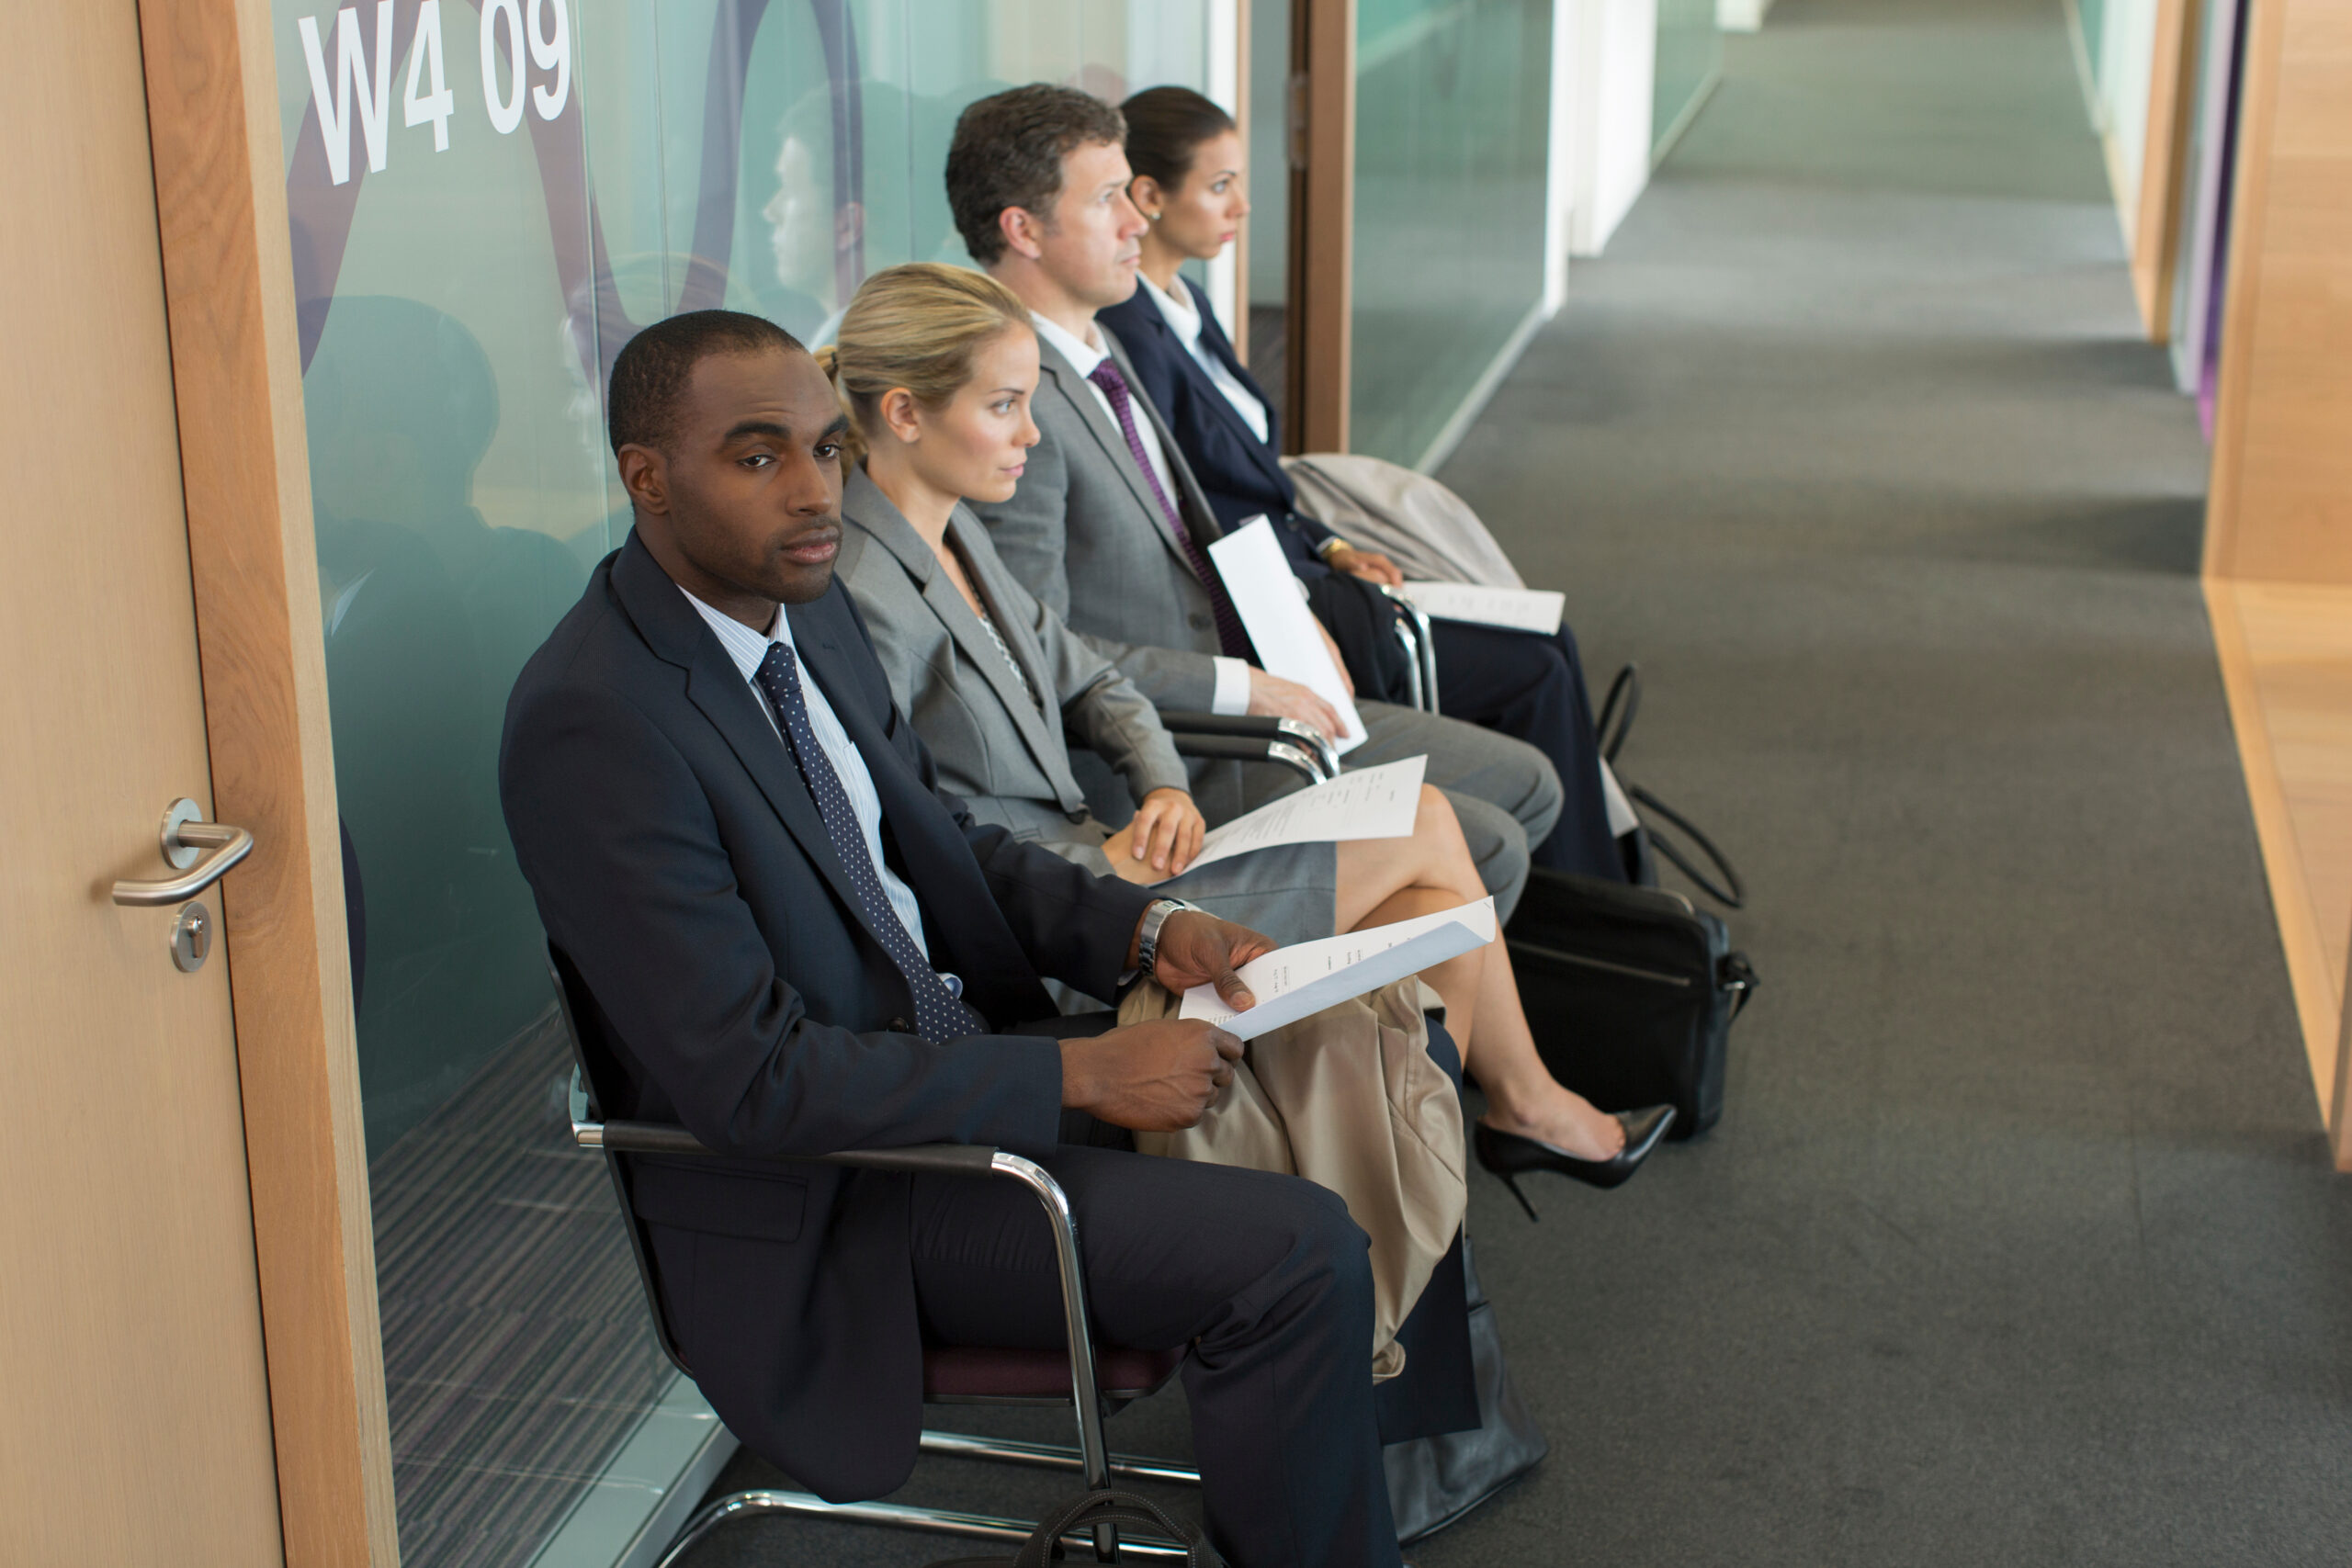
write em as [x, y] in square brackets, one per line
[936, 366]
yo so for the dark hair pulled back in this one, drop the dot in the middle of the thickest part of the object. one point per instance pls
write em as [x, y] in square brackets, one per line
[1165, 128]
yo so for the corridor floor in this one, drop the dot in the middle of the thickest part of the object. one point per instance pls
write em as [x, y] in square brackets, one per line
[2019, 1244]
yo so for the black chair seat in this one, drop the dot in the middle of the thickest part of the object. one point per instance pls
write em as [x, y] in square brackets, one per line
[957, 1374]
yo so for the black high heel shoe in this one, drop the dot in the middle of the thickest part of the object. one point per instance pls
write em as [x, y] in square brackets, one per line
[1510, 1157]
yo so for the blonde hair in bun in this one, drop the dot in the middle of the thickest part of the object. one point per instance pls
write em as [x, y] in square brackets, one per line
[920, 326]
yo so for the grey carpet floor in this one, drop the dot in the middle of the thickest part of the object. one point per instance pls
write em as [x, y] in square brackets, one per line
[2019, 1244]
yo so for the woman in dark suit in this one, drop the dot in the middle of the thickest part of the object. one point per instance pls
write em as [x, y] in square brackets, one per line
[1189, 167]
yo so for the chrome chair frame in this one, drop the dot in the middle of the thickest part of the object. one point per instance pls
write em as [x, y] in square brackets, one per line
[1254, 738]
[1089, 1458]
[1413, 634]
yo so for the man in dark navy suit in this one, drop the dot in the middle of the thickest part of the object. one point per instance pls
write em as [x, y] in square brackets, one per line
[797, 944]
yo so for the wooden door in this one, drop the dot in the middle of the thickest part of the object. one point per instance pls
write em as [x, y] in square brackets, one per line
[134, 1404]
[1322, 225]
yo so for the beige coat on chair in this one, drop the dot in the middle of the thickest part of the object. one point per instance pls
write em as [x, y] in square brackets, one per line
[1350, 1100]
[1429, 532]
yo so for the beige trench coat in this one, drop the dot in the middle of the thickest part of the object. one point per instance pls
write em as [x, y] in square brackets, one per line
[1348, 1099]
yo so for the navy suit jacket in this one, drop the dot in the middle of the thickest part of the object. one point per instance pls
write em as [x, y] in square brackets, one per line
[679, 860]
[1241, 475]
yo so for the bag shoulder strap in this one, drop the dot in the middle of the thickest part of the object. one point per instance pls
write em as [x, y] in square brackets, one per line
[1616, 722]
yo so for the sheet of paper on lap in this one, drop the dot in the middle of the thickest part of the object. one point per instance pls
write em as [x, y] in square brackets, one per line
[1290, 983]
[1265, 594]
[1519, 609]
[1376, 803]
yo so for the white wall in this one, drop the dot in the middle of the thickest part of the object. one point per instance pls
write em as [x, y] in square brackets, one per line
[1560, 160]
[1741, 15]
[1614, 61]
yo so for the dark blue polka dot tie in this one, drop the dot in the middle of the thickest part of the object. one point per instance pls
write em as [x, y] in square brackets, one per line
[939, 1013]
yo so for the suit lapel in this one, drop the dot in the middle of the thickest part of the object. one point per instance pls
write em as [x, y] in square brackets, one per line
[719, 689]
[969, 635]
[1074, 389]
[900, 793]
[1188, 499]
[675, 632]
[963, 923]
[1261, 453]
[864, 504]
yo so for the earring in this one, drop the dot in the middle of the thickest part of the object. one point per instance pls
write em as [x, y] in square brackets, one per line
[1151, 217]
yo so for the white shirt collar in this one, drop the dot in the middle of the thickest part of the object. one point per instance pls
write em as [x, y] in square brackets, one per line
[1083, 356]
[1178, 309]
[745, 647]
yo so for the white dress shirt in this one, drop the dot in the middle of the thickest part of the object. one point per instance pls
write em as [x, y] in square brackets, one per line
[1232, 692]
[1185, 321]
[747, 648]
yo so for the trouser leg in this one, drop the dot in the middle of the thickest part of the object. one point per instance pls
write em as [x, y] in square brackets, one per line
[1532, 689]
[1265, 1275]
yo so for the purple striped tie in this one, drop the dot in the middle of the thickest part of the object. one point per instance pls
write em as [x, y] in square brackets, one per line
[1230, 635]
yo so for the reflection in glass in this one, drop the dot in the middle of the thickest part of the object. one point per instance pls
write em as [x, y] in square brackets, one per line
[1690, 53]
[459, 309]
[1452, 126]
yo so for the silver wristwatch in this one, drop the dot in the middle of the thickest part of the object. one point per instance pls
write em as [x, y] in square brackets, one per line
[1147, 936]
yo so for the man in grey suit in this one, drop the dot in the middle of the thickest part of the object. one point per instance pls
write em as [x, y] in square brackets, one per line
[1109, 528]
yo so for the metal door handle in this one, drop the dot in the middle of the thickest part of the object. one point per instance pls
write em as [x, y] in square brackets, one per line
[185, 839]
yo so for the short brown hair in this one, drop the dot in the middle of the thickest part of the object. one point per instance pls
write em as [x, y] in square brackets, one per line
[1008, 152]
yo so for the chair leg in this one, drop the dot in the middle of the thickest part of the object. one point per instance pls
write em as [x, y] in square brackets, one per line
[1412, 646]
[1420, 642]
[1092, 1451]
[1054, 1456]
[933, 1521]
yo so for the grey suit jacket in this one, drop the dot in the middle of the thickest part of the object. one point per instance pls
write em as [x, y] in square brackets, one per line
[1009, 761]
[993, 745]
[1084, 535]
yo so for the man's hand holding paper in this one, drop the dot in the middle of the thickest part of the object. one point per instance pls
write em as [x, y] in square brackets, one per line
[1305, 977]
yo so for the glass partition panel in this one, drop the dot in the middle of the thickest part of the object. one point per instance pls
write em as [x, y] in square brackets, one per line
[2092, 16]
[1452, 112]
[486, 198]
[1690, 53]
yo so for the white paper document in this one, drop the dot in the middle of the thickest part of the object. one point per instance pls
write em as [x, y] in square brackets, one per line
[1622, 818]
[1520, 609]
[1376, 803]
[1264, 592]
[1292, 982]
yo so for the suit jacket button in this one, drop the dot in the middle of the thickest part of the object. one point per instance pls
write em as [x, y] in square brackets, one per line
[1200, 622]
[901, 1026]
